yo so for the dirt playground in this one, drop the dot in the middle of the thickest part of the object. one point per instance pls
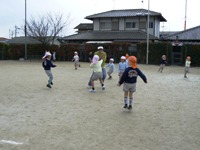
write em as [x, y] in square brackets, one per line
[165, 114]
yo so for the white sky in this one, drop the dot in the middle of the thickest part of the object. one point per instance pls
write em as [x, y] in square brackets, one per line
[13, 12]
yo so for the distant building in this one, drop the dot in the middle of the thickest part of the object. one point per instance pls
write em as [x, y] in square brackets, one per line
[3, 40]
[128, 25]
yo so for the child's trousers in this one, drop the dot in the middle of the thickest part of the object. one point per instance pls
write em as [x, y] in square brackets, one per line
[50, 75]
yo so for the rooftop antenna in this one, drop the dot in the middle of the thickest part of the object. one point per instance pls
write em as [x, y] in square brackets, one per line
[142, 3]
[185, 14]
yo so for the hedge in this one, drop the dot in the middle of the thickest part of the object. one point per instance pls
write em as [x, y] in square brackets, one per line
[115, 50]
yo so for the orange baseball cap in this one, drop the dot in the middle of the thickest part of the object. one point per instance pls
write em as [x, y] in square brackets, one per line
[133, 61]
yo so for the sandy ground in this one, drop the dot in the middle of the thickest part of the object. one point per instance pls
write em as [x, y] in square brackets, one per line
[165, 115]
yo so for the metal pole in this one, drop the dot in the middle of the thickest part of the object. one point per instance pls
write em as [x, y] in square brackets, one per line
[25, 57]
[147, 55]
[185, 14]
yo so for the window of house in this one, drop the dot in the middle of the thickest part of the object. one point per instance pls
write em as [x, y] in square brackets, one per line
[130, 25]
[132, 48]
[142, 25]
[105, 25]
[150, 24]
[115, 25]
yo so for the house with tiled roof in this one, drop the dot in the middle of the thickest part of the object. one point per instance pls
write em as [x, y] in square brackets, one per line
[3, 40]
[191, 35]
[179, 39]
[83, 27]
[127, 25]
[29, 40]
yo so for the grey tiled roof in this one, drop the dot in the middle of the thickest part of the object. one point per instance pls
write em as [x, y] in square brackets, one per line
[110, 35]
[21, 40]
[189, 34]
[126, 13]
[84, 26]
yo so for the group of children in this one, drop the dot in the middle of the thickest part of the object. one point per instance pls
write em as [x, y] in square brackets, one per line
[163, 63]
[127, 72]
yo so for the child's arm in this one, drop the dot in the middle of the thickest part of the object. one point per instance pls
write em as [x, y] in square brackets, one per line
[123, 77]
[142, 75]
[51, 64]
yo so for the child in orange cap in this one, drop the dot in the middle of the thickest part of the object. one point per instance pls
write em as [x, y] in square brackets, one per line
[187, 66]
[129, 79]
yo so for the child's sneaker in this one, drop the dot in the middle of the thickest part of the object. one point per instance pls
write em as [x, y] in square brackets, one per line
[125, 106]
[48, 85]
[92, 91]
[103, 87]
[130, 107]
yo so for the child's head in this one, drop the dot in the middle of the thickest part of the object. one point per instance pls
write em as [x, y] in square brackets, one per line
[123, 58]
[100, 48]
[111, 60]
[127, 56]
[95, 59]
[132, 60]
[75, 53]
[47, 55]
[188, 58]
[163, 57]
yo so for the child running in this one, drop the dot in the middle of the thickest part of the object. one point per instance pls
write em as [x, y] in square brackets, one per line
[129, 79]
[76, 60]
[97, 72]
[47, 64]
[163, 62]
[111, 68]
[187, 66]
[122, 66]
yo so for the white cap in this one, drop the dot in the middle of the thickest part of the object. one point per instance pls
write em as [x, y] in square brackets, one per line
[123, 57]
[46, 54]
[100, 47]
[112, 59]
[75, 52]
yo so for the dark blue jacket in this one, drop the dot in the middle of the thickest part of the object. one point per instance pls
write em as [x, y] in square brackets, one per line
[47, 64]
[130, 75]
[162, 61]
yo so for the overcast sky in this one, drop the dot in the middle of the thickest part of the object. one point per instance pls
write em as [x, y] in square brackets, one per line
[13, 12]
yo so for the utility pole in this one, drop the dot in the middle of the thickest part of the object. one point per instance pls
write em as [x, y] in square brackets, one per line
[147, 52]
[185, 14]
[25, 55]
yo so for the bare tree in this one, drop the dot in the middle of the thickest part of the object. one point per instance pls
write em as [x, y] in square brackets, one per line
[46, 28]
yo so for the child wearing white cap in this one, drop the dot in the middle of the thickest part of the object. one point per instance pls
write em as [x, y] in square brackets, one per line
[47, 64]
[122, 66]
[76, 60]
[97, 72]
[111, 68]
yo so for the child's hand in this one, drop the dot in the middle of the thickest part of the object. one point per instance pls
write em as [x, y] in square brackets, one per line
[118, 84]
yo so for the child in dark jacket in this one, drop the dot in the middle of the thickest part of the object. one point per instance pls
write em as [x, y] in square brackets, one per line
[163, 63]
[129, 79]
[47, 64]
